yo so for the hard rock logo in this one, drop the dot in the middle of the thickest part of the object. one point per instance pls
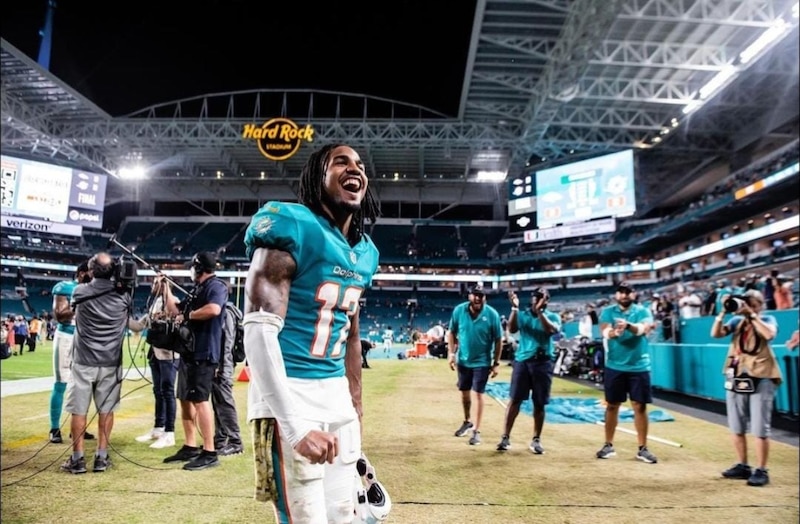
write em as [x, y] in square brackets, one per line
[279, 138]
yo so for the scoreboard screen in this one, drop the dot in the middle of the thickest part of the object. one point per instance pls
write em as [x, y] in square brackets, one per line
[586, 190]
[42, 197]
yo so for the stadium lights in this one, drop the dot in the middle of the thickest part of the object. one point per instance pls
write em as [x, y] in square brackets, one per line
[766, 38]
[772, 34]
[713, 85]
[491, 176]
[131, 173]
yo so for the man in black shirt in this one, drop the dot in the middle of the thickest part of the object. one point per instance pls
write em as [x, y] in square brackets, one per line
[366, 345]
[203, 310]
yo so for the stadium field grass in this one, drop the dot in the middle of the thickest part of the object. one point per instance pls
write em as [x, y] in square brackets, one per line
[411, 411]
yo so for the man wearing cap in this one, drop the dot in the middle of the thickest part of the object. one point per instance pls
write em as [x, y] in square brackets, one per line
[475, 335]
[203, 312]
[624, 326]
[532, 376]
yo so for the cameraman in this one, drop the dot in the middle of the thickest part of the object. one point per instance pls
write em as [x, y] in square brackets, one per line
[533, 363]
[203, 313]
[752, 374]
[102, 314]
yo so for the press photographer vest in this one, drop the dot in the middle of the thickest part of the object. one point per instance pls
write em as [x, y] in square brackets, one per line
[754, 354]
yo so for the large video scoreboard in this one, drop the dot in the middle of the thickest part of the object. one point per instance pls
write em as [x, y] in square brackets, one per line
[47, 198]
[563, 198]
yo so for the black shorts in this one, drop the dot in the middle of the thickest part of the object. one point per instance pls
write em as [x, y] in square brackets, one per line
[474, 379]
[619, 384]
[195, 379]
[532, 376]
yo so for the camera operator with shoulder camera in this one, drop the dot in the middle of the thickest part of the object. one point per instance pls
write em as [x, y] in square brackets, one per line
[203, 314]
[532, 375]
[102, 315]
[751, 375]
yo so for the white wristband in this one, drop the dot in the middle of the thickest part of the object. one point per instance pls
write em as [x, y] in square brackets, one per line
[514, 309]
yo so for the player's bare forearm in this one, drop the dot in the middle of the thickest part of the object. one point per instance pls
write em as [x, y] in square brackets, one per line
[352, 363]
[61, 309]
[269, 281]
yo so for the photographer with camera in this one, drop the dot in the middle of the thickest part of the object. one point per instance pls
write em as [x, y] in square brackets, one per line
[532, 375]
[163, 368]
[102, 315]
[751, 375]
[202, 313]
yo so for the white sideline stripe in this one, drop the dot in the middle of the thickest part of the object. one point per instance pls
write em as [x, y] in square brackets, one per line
[649, 437]
[24, 386]
[43, 415]
[624, 430]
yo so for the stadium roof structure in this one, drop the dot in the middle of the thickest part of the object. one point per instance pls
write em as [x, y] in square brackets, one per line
[546, 81]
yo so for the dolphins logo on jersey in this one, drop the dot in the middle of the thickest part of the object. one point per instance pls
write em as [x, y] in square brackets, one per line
[353, 257]
[263, 225]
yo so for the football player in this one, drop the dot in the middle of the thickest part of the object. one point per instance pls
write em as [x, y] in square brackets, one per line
[310, 264]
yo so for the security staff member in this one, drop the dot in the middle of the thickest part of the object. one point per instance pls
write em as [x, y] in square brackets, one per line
[532, 375]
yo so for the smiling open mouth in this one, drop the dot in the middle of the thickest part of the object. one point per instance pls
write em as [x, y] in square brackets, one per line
[352, 184]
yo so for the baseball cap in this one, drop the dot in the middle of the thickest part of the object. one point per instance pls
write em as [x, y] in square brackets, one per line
[83, 267]
[477, 289]
[206, 260]
[625, 286]
[541, 291]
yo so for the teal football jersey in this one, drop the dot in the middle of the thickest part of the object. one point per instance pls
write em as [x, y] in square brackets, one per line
[65, 289]
[331, 276]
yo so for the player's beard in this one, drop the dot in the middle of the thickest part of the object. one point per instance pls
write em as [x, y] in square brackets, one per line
[338, 206]
[625, 302]
[476, 308]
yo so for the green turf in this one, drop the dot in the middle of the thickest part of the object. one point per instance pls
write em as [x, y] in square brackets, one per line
[40, 362]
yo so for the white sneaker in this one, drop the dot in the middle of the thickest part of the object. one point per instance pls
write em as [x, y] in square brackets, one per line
[153, 434]
[164, 441]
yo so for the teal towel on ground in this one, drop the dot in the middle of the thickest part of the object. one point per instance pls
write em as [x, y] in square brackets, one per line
[573, 410]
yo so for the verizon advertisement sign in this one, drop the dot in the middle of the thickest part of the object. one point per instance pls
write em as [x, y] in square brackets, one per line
[40, 226]
[572, 230]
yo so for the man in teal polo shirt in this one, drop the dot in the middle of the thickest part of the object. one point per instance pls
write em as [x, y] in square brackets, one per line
[475, 335]
[625, 326]
[532, 376]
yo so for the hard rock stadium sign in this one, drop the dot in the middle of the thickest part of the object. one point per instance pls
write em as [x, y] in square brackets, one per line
[278, 138]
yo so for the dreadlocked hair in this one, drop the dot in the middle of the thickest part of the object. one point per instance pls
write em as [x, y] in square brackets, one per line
[311, 187]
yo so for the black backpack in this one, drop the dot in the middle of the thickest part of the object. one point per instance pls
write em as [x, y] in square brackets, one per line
[238, 332]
